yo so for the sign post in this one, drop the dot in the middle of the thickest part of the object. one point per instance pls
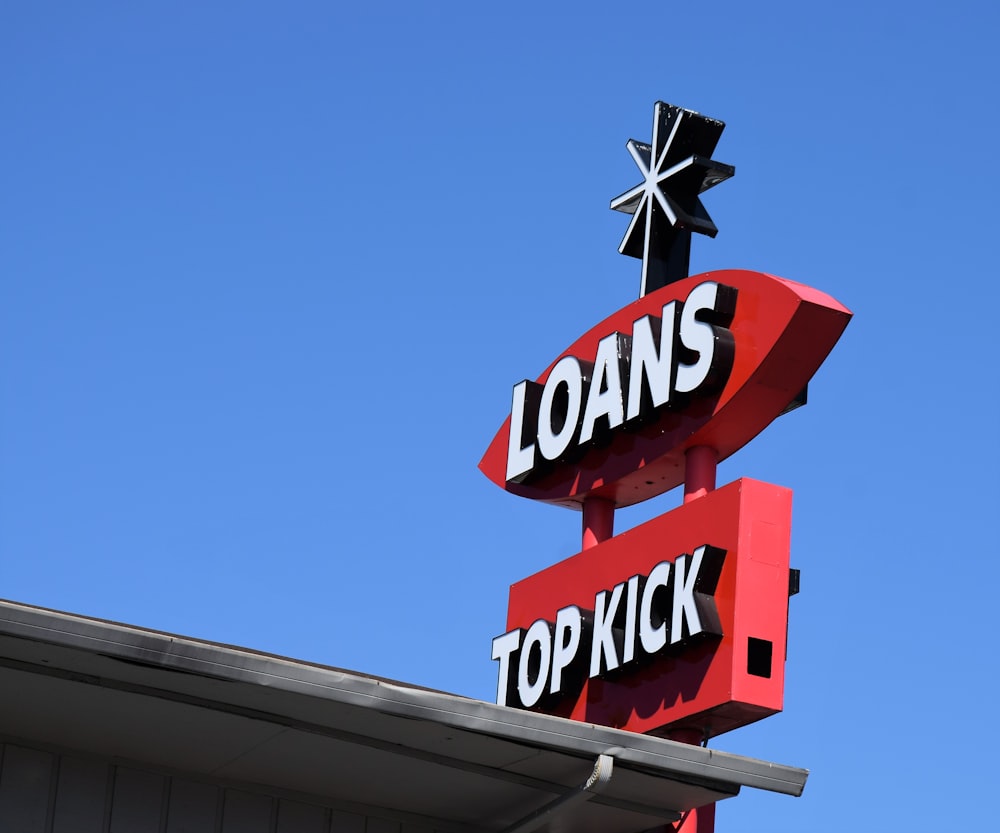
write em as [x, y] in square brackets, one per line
[677, 627]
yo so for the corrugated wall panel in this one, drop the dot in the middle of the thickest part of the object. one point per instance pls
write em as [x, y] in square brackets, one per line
[346, 822]
[246, 813]
[48, 792]
[294, 817]
[25, 788]
[137, 805]
[193, 808]
[375, 825]
[82, 796]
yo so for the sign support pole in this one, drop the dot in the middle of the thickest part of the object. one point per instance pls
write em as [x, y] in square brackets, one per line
[598, 521]
[700, 819]
[699, 472]
[700, 463]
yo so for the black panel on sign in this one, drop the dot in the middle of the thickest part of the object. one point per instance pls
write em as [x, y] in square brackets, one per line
[759, 657]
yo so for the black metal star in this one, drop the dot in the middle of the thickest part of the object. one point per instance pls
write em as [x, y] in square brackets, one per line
[665, 207]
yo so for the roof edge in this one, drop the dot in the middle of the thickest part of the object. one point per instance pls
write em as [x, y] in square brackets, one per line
[173, 653]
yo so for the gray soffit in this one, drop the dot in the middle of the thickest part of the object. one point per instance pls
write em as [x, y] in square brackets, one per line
[451, 763]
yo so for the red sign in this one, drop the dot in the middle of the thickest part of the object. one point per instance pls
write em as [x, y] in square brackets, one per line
[677, 627]
[678, 623]
[710, 360]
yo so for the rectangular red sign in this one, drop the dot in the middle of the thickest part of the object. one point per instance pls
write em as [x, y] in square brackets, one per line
[684, 619]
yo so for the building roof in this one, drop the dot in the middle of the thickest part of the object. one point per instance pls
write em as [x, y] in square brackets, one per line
[368, 744]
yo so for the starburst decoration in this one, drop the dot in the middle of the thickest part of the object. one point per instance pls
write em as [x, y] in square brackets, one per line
[665, 208]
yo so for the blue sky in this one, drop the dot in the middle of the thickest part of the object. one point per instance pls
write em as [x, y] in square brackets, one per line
[269, 272]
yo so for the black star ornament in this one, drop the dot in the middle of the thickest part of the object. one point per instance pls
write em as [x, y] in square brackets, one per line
[665, 208]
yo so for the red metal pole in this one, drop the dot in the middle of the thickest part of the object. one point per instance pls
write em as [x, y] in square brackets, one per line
[699, 472]
[700, 819]
[700, 463]
[598, 521]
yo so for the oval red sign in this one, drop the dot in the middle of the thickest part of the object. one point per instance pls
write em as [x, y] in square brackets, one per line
[710, 360]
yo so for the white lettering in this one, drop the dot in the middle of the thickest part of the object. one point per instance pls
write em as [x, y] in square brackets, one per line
[569, 624]
[684, 610]
[503, 647]
[605, 396]
[557, 424]
[636, 620]
[603, 644]
[697, 335]
[653, 637]
[530, 691]
[652, 362]
[631, 378]
[520, 457]
[631, 610]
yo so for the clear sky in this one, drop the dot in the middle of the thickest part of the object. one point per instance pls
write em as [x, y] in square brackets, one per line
[268, 273]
